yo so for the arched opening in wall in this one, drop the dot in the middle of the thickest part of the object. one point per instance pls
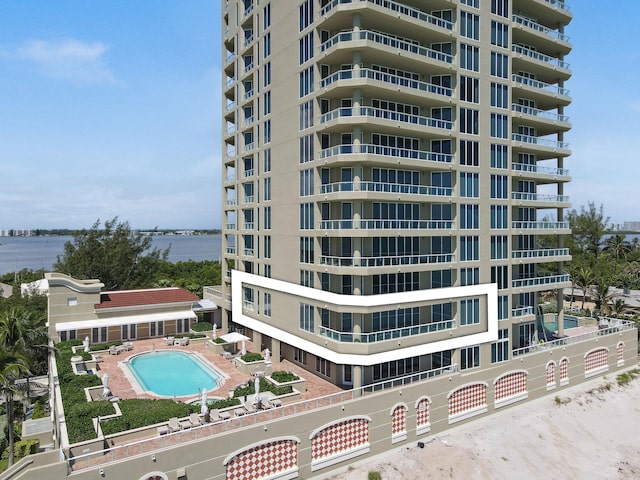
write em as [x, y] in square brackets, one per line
[467, 401]
[510, 388]
[595, 362]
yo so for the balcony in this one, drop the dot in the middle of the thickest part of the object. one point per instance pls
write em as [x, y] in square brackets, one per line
[521, 312]
[231, 106]
[559, 4]
[546, 87]
[548, 61]
[248, 121]
[247, 11]
[539, 197]
[543, 253]
[542, 114]
[230, 226]
[530, 24]
[231, 202]
[550, 281]
[248, 68]
[551, 171]
[542, 225]
[248, 198]
[231, 250]
[248, 173]
[386, 224]
[392, 152]
[247, 252]
[387, 41]
[248, 94]
[373, 337]
[383, 187]
[388, 261]
[396, 8]
[249, 146]
[247, 41]
[541, 142]
[390, 80]
[369, 113]
[248, 226]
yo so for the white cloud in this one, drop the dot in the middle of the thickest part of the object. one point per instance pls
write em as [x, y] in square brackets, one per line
[68, 59]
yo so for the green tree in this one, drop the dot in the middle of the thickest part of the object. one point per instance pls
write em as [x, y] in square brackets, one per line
[587, 229]
[12, 367]
[584, 278]
[114, 254]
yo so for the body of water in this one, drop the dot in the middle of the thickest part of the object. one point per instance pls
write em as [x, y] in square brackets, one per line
[34, 253]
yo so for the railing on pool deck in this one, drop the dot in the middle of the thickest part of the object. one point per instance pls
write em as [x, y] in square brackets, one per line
[115, 453]
[607, 327]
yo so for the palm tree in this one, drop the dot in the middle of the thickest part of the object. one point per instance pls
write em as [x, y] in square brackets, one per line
[602, 296]
[12, 366]
[584, 278]
[618, 307]
[618, 247]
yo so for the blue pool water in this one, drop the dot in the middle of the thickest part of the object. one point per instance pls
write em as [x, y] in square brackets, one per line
[170, 374]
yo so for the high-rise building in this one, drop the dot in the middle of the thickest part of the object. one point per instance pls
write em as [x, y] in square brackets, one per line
[393, 178]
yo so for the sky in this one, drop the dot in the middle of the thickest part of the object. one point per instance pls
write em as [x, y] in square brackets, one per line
[112, 108]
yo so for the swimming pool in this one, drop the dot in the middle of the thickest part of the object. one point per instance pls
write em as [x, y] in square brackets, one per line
[169, 374]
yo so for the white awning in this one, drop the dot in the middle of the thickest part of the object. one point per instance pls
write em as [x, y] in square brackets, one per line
[205, 304]
[233, 337]
[125, 320]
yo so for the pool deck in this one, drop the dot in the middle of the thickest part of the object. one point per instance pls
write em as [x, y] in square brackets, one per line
[121, 386]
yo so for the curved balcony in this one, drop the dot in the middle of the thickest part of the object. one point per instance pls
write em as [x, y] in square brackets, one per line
[539, 225]
[388, 261]
[373, 224]
[372, 337]
[371, 114]
[546, 122]
[550, 280]
[530, 32]
[522, 311]
[542, 253]
[386, 41]
[551, 64]
[391, 152]
[540, 198]
[546, 144]
[532, 25]
[540, 170]
[385, 187]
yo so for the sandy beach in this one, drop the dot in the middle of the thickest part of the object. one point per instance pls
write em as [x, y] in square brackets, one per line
[592, 433]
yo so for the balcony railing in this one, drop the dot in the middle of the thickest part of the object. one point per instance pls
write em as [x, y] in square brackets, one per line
[248, 173]
[231, 250]
[559, 4]
[248, 305]
[231, 202]
[521, 312]
[371, 112]
[548, 87]
[396, 80]
[373, 337]
[386, 224]
[543, 142]
[248, 199]
[405, 153]
[541, 57]
[527, 22]
[539, 197]
[247, 41]
[387, 261]
[386, 188]
[540, 253]
[536, 112]
[231, 178]
[523, 167]
[519, 225]
[539, 281]
[231, 106]
[248, 225]
[394, 7]
[230, 226]
[387, 41]
[247, 11]
[248, 68]
[247, 252]
[231, 129]
[248, 120]
[248, 94]
[248, 147]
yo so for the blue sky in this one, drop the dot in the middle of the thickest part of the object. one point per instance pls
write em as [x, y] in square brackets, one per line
[112, 108]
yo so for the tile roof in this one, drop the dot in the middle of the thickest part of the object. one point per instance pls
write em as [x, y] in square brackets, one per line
[152, 296]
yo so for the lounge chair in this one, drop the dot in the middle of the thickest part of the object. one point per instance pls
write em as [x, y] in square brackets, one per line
[214, 415]
[227, 355]
[195, 420]
[169, 341]
[113, 350]
[127, 346]
[174, 425]
[184, 341]
[250, 407]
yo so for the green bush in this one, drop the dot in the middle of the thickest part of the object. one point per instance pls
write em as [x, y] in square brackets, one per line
[251, 357]
[265, 386]
[219, 340]
[104, 346]
[138, 413]
[224, 403]
[282, 377]
[374, 475]
[202, 327]
[22, 449]
[38, 408]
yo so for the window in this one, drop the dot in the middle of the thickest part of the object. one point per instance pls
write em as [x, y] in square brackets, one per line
[72, 301]
[499, 34]
[267, 103]
[499, 216]
[469, 357]
[503, 307]
[306, 148]
[469, 25]
[469, 57]
[267, 304]
[469, 153]
[306, 250]
[299, 356]
[499, 65]
[306, 82]
[471, 3]
[306, 216]
[441, 279]
[266, 191]
[267, 246]
[499, 156]
[267, 160]
[499, 247]
[499, 95]
[499, 126]
[396, 282]
[499, 186]
[306, 278]
[266, 45]
[469, 89]
[267, 271]
[267, 131]
[267, 218]
[469, 216]
[396, 368]
[306, 182]
[266, 17]
[306, 317]
[323, 366]
[306, 115]
[500, 349]
[500, 7]
[469, 121]
[469, 276]
[500, 276]
[306, 13]
[470, 311]
[267, 74]
[469, 248]
[469, 185]
[306, 48]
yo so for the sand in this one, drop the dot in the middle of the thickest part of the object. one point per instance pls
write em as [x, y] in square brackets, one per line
[594, 433]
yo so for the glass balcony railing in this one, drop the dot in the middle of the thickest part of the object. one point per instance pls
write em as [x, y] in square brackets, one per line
[231, 202]
[558, 4]
[248, 121]
[522, 167]
[248, 305]
[231, 106]
[248, 95]
[392, 80]
[248, 147]
[534, 225]
[248, 173]
[541, 57]
[373, 337]
[540, 253]
[231, 250]
[394, 152]
[248, 199]
[521, 312]
[536, 112]
[384, 187]
[542, 142]
[230, 226]
[540, 281]
[247, 252]
[388, 261]
[396, 8]
[387, 41]
[539, 197]
[247, 41]
[248, 68]
[547, 87]
[248, 226]
[528, 23]
[386, 224]
[372, 112]
[247, 11]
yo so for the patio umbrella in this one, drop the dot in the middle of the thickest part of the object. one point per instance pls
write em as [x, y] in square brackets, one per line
[105, 385]
[215, 331]
[256, 383]
[85, 343]
[204, 409]
[267, 355]
[243, 349]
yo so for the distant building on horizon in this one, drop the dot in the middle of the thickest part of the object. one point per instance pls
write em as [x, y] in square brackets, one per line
[631, 226]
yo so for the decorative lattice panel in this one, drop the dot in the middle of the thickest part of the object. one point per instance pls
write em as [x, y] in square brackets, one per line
[422, 413]
[596, 360]
[399, 420]
[511, 384]
[340, 437]
[264, 460]
[620, 353]
[467, 398]
[564, 370]
[551, 373]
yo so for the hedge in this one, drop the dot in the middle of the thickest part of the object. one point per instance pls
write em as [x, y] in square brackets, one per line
[282, 376]
[202, 327]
